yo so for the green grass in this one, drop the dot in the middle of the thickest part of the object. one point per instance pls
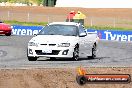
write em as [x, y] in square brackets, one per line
[38, 2]
[109, 28]
[44, 23]
[26, 23]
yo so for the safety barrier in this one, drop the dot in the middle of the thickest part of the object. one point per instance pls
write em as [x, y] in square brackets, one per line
[103, 34]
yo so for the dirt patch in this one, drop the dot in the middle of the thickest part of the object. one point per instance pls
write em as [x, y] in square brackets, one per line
[55, 78]
[117, 17]
[96, 12]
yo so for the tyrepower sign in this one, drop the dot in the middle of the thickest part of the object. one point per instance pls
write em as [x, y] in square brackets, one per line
[113, 35]
[103, 34]
[25, 30]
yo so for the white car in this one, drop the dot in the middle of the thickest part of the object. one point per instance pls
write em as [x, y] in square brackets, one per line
[62, 40]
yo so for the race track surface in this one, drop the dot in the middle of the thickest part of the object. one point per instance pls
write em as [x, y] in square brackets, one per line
[13, 51]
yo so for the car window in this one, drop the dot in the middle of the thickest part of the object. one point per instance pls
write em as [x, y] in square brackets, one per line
[66, 30]
[81, 29]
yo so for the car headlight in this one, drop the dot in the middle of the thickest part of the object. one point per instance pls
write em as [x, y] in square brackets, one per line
[64, 45]
[32, 44]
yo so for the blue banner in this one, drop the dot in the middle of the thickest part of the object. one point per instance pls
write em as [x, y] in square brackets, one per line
[103, 34]
[113, 34]
[25, 30]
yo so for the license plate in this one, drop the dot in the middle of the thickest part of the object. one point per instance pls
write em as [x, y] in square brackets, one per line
[47, 51]
[1, 31]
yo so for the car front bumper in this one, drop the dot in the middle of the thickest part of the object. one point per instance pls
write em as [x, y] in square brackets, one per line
[5, 31]
[58, 52]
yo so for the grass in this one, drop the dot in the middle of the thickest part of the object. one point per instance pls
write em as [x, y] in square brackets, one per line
[44, 23]
[26, 23]
[109, 28]
[38, 2]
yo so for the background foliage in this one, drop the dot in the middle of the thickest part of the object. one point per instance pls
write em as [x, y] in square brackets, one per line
[38, 2]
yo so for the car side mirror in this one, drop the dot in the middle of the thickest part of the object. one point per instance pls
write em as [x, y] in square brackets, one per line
[82, 34]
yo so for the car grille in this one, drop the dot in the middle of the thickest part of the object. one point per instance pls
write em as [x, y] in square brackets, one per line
[43, 44]
[48, 44]
[52, 44]
[54, 52]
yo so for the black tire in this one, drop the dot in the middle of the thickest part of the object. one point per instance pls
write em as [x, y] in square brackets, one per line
[76, 53]
[81, 80]
[8, 34]
[32, 58]
[94, 51]
[52, 58]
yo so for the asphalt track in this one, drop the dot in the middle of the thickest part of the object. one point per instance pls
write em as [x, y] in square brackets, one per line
[110, 54]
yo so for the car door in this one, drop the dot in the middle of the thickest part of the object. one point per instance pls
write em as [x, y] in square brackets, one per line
[84, 47]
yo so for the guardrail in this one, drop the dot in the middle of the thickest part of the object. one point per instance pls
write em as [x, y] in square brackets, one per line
[103, 34]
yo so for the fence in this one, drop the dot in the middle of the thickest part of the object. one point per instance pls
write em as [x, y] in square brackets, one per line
[41, 17]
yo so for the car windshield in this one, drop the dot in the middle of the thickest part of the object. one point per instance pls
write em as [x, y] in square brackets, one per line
[66, 30]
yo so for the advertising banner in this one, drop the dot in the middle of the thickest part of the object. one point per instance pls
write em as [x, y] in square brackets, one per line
[103, 34]
[25, 30]
[113, 34]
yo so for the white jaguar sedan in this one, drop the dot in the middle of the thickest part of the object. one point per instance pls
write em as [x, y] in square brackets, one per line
[62, 40]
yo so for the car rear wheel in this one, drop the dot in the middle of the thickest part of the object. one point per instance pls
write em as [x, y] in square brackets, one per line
[76, 53]
[8, 34]
[32, 58]
[94, 51]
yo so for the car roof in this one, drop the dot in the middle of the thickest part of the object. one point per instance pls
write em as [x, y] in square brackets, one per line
[65, 23]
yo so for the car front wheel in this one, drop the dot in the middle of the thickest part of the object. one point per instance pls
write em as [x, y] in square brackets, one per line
[76, 53]
[94, 51]
[8, 34]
